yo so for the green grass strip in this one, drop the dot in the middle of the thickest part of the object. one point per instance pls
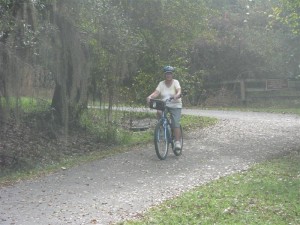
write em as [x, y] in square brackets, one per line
[268, 193]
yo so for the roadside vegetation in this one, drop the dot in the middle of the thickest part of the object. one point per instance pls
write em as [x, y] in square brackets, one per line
[29, 150]
[268, 193]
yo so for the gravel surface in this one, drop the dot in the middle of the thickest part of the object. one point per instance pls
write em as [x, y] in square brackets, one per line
[122, 186]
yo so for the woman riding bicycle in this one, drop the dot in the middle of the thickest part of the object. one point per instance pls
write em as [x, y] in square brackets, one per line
[166, 89]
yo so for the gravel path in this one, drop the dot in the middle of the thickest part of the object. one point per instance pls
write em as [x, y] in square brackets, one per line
[120, 187]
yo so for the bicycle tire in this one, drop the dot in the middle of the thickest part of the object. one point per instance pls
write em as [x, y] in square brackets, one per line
[161, 141]
[178, 152]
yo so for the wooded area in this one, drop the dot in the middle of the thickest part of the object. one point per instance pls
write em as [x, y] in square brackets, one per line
[73, 52]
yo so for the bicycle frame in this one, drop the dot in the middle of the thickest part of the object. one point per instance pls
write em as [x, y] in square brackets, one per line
[161, 106]
[165, 121]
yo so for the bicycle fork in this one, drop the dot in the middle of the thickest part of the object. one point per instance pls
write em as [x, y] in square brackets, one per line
[167, 132]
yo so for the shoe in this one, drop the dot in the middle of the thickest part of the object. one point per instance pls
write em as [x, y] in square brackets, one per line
[177, 145]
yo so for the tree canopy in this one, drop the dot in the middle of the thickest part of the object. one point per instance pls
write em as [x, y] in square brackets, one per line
[113, 50]
[288, 12]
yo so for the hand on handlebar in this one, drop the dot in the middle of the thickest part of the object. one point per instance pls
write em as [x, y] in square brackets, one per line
[148, 99]
[175, 97]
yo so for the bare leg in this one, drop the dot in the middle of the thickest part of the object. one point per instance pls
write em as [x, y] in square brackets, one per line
[158, 114]
[177, 134]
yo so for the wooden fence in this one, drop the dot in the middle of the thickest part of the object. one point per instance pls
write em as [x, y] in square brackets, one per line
[251, 89]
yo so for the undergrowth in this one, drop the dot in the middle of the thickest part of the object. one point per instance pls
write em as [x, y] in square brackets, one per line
[36, 145]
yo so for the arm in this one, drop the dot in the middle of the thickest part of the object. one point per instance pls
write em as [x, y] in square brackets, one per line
[178, 93]
[178, 90]
[155, 94]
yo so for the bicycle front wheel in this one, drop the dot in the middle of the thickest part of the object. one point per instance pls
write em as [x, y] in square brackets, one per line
[161, 141]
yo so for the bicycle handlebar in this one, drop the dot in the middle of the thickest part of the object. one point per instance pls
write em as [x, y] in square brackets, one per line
[171, 98]
[160, 104]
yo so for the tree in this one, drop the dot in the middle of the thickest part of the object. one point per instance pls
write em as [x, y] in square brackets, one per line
[113, 46]
[243, 44]
[17, 43]
[44, 34]
[70, 58]
[168, 30]
[288, 12]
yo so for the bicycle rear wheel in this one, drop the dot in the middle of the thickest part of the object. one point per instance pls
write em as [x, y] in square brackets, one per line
[178, 152]
[161, 141]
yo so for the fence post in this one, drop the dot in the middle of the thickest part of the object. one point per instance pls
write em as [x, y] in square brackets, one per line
[243, 91]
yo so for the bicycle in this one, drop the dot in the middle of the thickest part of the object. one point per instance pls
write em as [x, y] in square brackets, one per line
[163, 133]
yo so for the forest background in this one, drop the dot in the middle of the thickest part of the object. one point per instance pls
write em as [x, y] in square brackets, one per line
[64, 55]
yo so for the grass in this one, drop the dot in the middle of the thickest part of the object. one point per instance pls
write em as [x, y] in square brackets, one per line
[268, 193]
[26, 104]
[119, 129]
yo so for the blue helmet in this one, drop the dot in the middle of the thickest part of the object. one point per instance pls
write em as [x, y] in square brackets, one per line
[169, 69]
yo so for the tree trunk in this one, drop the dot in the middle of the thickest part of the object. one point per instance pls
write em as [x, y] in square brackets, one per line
[71, 73]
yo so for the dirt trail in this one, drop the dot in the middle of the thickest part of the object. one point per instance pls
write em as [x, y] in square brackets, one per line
[120, 187]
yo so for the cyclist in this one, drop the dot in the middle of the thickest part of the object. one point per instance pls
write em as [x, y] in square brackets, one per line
[166, 89]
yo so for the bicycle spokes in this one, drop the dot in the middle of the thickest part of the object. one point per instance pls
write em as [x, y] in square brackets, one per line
[161, 141]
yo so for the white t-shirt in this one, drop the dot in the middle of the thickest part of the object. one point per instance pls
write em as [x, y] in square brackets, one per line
[167, 92]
